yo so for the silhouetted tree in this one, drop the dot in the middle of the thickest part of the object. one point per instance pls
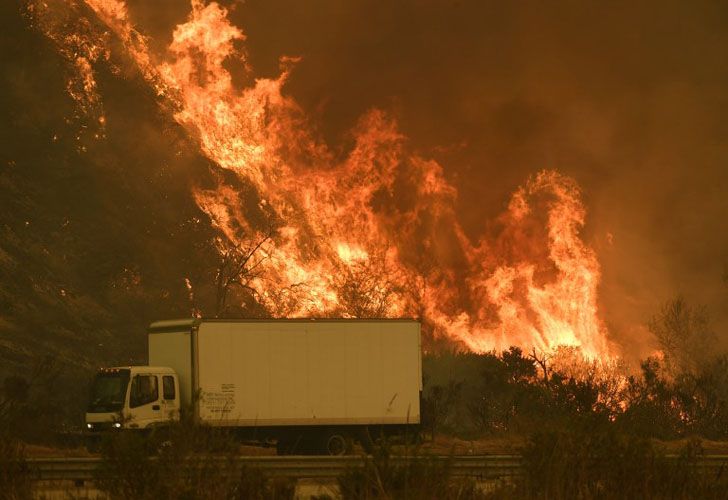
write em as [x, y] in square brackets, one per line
[651, 409]
[684, 334]
[542, 360]
[239, 265]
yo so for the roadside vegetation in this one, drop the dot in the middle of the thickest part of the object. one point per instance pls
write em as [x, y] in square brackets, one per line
[17, 414]
[601, 462]
[421, 476]
[590, 461]
[183, 462]
[586, 429]
[14, 470]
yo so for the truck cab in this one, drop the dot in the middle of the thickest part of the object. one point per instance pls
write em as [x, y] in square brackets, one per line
[133, 397]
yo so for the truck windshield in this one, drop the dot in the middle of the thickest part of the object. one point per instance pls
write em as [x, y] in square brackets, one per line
[108, 391]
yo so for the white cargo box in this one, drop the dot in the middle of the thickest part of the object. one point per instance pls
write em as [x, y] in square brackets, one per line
[294, 372]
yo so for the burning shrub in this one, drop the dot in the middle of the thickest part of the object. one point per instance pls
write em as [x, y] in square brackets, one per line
[690, 403]
[475, 394]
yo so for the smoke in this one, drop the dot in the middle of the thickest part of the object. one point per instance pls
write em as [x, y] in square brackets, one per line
[628, 100]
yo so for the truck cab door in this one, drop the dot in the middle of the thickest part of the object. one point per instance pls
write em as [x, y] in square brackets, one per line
[144, 406]
[170, 397]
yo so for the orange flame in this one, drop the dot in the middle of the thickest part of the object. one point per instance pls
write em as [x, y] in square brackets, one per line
[382, 211]
[559, 312]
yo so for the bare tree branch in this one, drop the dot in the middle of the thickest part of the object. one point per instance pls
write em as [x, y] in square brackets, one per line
[240, 264]
[542, 361]
[366, 288]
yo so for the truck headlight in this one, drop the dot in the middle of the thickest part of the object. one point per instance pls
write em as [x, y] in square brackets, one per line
[117, 425]
[89, 426]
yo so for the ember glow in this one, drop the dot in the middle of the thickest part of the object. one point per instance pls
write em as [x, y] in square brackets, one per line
[377, 227]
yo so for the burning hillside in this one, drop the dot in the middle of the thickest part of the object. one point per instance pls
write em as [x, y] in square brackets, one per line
[372, 231]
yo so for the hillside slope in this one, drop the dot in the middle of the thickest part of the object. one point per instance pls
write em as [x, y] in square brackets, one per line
[98, 229]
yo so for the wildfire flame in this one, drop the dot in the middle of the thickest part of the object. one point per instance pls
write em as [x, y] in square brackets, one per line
[383, 217]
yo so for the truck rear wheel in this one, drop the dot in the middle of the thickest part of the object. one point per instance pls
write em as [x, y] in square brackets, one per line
[336, 443]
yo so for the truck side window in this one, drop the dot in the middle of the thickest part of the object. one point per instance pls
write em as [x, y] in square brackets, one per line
[168, 387]
[144, 390]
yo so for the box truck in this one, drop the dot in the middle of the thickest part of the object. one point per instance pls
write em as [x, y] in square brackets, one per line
[307, 385]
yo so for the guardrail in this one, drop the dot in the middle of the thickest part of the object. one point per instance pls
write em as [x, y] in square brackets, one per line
[299, 467]
[485, 467]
